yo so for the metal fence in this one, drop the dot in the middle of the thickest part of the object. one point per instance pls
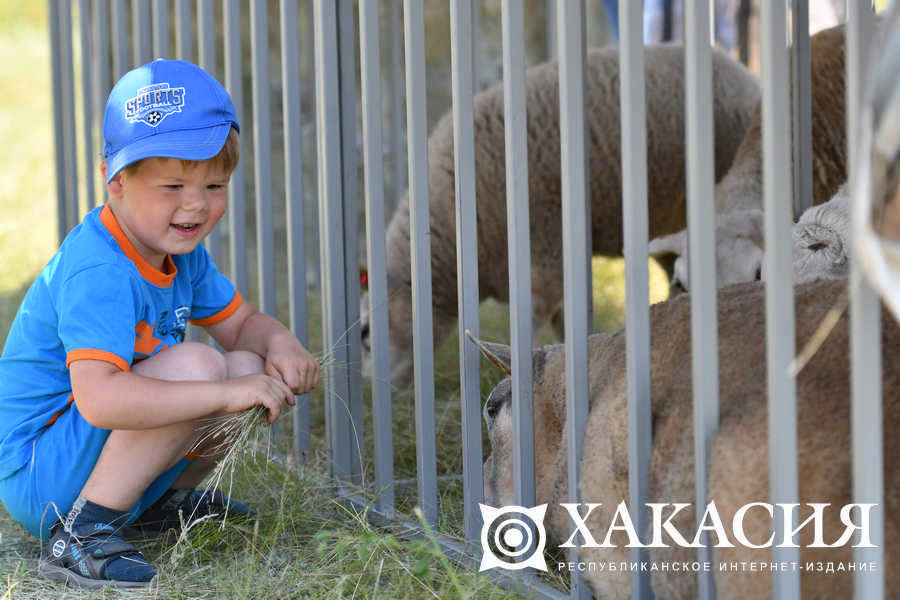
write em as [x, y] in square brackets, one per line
[317, 46]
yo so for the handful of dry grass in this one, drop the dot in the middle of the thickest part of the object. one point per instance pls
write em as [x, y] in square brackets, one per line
[231, 435]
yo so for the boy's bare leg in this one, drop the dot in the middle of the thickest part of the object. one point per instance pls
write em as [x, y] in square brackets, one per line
[131, 460]
[238, 364]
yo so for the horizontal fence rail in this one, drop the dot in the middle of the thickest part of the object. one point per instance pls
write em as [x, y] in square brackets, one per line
[332, 145]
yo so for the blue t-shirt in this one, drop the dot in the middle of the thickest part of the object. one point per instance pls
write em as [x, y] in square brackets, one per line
[97, 299]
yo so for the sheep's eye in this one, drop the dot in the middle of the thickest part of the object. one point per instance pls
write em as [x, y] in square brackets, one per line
[494, 404]
[758, 275]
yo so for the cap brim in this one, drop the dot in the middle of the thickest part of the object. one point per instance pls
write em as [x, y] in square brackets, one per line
[191, 144]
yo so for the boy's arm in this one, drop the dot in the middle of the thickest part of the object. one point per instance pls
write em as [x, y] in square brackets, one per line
[286, 358]
[110, 398]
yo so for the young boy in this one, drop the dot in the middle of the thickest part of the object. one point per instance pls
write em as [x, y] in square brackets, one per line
[100, 402]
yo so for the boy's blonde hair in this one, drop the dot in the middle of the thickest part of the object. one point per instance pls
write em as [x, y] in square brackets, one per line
[226, 159]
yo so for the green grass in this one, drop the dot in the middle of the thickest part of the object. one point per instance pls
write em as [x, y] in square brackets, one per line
[306, 544]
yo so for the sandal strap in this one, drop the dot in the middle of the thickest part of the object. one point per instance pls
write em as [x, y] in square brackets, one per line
[113, 548]
[97, 547]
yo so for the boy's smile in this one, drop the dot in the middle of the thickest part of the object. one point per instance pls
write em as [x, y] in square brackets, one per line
[167, 207]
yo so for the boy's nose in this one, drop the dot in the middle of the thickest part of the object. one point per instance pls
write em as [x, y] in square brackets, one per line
[193, 200]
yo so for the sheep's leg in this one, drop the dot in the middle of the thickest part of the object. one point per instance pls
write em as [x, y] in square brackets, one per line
[547, 303]
[557, 322]
[667, 262]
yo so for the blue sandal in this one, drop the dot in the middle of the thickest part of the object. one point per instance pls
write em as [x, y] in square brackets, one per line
[177, 506]
[81, 557]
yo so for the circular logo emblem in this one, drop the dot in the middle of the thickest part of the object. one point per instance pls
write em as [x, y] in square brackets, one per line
[58, 548]
[513, 537]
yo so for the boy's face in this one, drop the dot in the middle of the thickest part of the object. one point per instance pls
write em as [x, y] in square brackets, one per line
[167, 208]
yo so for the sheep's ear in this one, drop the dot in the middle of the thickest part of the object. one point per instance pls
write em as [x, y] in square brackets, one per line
[669, 244]
[499, 354]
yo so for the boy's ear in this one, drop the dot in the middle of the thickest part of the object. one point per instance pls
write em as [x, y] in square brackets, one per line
[114, 186]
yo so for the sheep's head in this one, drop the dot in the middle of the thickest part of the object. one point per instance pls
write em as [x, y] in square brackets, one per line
[821, 241]
[548, 424]
[398, 310]
[739, 249]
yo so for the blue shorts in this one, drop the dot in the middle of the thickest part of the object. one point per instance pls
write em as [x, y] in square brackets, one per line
[64, 456]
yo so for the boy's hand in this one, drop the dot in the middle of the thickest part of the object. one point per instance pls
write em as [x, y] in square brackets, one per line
[257, 390]
[288, 361]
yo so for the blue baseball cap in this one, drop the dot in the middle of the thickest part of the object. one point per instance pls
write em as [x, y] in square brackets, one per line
[165, 108]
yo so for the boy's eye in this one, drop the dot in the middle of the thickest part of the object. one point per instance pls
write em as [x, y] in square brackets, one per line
[215, 187]
[172, 186]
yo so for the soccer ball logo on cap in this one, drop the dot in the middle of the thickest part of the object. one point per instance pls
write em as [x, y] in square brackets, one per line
[154, 103]
[513, 537]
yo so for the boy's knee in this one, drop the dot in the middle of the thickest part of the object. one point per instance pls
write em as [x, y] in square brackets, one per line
[203, 362]
[242, 362]
[188, 361]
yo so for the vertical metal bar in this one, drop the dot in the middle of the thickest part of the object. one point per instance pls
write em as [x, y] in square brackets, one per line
[293, 166]
[420, 255]
[310, 212]
[120, 60]
[701, 233]
[331, 235]
[237, 223]
[865, 331]
[866, 428]
[101, 83]
[206, 43]
[87, 105]
[570, 20]
[551, 29]
[347, 71]
[370, 70]
[262, 148]
[206, 35]
[637, 288]
[518, 231]
[140, 31]
[801, 107]
[779, 295]
[161, 29]
[395, 92]
[53, 17]
[463, 86]
[70, 139]
[184, 37]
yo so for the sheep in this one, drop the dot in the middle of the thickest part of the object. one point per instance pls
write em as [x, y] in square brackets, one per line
[820, 243]
[736, 93]
[739, 248]
[738, 472]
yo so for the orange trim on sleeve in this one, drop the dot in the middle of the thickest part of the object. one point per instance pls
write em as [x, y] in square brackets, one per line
[147, 271]
[89, 354]
[222, 314]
